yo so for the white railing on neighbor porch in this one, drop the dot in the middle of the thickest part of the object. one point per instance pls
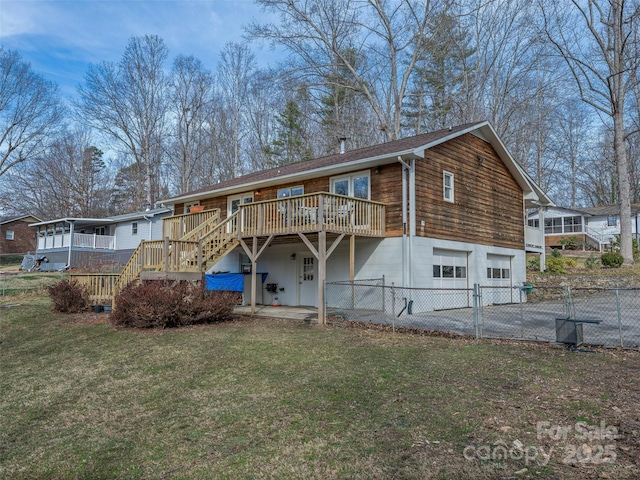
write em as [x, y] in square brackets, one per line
[83, 240]
[533, 238]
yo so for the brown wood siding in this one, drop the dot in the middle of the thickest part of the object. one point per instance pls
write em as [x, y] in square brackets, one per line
[386, 187]
[488, 202]
[24, 237]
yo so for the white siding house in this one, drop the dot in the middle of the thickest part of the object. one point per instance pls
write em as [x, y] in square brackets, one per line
[594, 227]
[82, 242]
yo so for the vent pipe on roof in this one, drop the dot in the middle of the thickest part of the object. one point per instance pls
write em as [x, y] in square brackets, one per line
[343, 141]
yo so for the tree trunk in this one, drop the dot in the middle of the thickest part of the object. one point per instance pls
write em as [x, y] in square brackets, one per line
[624, 199]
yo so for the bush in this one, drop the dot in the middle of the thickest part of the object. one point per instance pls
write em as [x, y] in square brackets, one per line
[10, 259]
[69, 296]
[534, 264]
[570, 243]
[611, 260]
[558, 264]
[165, 304]
[592, 262]
[555, 264]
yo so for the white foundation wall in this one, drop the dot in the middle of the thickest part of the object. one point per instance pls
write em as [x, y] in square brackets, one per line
[374, 258]
[377, 257]
[281, 269]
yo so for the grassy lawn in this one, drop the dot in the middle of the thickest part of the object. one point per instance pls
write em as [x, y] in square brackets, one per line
[283, 399]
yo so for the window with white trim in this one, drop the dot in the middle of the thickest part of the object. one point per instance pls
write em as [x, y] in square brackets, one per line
[612, 221]
[134, 228]
[9, 235]
[354, 185]
[447, 185]
[291, 191]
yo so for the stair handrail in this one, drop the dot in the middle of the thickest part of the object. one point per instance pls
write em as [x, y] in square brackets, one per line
[196, 233]
[220, 234]
[128, 270]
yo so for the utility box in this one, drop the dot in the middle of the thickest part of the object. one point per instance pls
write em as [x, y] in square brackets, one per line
[569, 331]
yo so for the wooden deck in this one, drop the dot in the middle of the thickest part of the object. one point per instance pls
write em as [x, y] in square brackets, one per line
[195, 242]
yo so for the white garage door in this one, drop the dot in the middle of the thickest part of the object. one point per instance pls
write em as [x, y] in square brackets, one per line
[498, 275]
[450, 271]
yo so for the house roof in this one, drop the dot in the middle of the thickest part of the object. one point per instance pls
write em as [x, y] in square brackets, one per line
[406, 148]
[13, 218]
[606, 210]
[106, 220]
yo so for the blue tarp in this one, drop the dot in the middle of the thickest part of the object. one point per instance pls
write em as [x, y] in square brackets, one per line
[228, 282]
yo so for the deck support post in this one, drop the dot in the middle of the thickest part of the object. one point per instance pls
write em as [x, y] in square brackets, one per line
[253, 254]
[352, 267]
[321, 254]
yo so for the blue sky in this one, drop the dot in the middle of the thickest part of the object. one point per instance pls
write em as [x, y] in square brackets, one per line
[60, 38]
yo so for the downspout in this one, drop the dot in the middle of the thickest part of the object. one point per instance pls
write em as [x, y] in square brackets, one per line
[71, 231]
[405, 248]
[150, 226]
[412, 216]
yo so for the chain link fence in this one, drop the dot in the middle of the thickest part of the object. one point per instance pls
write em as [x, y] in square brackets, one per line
[605, 316]
[15, 283]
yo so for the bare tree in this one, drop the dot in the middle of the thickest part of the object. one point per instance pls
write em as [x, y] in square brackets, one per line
[70, 178]
[30, 111]
[128, 103]
[389, 36]
[596, 42]
[235, 70]
[191, 97]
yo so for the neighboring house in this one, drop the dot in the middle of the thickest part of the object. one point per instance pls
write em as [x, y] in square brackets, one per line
[15, 235]
[86, 242]
[439, 210]
[594, 227]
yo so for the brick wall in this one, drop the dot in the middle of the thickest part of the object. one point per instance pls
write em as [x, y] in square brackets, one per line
[24, 237]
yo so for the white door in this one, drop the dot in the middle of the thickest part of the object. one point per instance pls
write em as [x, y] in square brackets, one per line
[450, 272]
[307, 280]
[498, 275]
[233, 204]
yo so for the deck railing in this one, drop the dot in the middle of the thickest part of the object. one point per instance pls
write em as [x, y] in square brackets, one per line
[99, 285]
[312, 213]
[208, 242]
[179, 226]
[82, 240]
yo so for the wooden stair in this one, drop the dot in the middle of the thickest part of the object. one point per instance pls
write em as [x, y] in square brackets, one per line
[195, 252]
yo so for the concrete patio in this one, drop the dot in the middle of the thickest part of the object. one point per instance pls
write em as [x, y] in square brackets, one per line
[307, 314]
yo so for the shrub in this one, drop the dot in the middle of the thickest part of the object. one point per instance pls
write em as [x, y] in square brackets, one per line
[165, 304]
[555, 264]
[69, 296]
[611, 259]
[534, 264]
[592, 262]
[570, 262]
[570, 243]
